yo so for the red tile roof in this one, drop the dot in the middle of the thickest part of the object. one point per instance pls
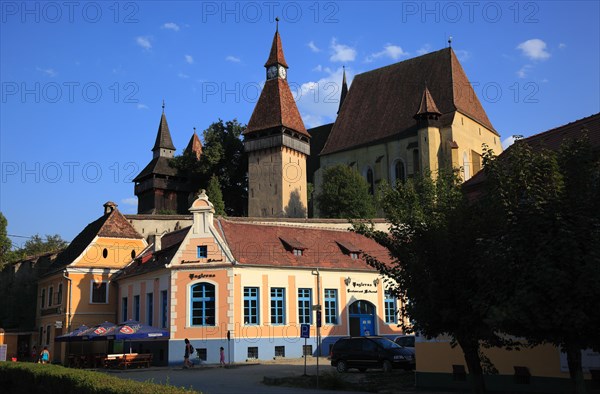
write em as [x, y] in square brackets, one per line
[194, 146]
[110, 225]
[276, 54]
[427, 104]
[256, 244]
[382, 103]
[275, 108]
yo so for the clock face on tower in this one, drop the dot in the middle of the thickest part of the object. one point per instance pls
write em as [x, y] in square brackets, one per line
[271, 72]
[282, 72]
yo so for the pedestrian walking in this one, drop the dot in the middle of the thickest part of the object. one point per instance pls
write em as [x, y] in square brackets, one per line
[222, 356]
[45, 356]
[189, 350]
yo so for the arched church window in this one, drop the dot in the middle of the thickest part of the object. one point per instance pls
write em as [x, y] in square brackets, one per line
[399, 174]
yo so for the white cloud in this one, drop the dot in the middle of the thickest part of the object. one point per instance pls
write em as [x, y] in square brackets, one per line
[318, 101]
[462, 55]
[142, 106]
[319, 68]
[189, 59]
[341, 52]
[48, 71]
[130, 201]
[562, 45]
[508, 142]
[144, 42]
[233, 59]
[535, 49]
[171, 26]
[313, 47]
[394, 52]
[182, 75]
[523, 71]
[424, 49]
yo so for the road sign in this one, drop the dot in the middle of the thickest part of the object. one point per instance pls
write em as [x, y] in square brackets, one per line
[319, 319]
[305, 331]
[316, 307]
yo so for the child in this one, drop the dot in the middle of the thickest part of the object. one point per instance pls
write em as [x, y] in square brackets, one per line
[222, 356]
[45, 356]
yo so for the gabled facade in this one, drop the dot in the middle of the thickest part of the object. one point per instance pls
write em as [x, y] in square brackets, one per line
[415, 115]
[259, 282]
[78, 287]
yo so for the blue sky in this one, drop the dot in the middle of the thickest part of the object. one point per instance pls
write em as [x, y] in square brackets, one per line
[83, 82]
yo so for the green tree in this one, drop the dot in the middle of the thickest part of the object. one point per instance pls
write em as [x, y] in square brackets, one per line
[544, 252]
[37, 245]
[223, 156]
[344, 194]
[5, 243]
[435, 258]
[215, 195]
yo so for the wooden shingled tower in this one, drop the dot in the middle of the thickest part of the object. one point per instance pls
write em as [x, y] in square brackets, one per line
[277, 144]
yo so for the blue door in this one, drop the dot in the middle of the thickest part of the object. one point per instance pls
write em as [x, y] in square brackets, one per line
[362, 318]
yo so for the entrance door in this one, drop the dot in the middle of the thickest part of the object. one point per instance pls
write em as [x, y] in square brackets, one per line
[362, 318]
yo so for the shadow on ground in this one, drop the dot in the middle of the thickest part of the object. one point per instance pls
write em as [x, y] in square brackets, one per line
[371, 381]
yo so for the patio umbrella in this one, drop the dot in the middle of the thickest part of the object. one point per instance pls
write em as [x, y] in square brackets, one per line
[75, 335]
[132, 330]
[98, 332]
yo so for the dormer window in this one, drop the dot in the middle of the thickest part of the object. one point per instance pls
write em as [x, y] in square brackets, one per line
[294, 246]
[349, 249]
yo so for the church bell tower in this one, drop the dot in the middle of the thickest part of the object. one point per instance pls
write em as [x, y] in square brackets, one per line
[277, 144]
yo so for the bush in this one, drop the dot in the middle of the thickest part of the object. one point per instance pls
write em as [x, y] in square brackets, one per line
[47, 379]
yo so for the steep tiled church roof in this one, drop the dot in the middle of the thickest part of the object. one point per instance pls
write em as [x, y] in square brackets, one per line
[276, 54]
[194, 146]
[381, 103]
[158, 165]
[427, 104]
[276, 107]
[163, 137]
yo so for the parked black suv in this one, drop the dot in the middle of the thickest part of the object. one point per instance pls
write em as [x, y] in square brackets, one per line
[370, 352]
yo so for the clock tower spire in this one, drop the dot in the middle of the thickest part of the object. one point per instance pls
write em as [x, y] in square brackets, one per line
[277, 144]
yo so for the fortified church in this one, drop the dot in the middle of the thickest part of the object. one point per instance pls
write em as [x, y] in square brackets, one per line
[249, 284]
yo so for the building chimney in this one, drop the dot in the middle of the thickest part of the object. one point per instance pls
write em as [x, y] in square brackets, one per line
[109, 207]
[155, 239]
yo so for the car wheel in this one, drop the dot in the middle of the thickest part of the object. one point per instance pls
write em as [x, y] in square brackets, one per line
[342, 366]
[387, 366]
[362, 369]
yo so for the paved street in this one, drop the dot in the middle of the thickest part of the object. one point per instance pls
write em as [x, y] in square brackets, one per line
[238, 379]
